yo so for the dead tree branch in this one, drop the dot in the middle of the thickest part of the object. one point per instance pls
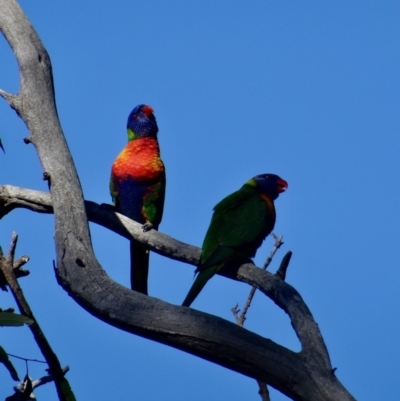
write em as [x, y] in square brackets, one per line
[285, 296]
[8, 271]
[306, 375]
[240, 319]
[20, 395]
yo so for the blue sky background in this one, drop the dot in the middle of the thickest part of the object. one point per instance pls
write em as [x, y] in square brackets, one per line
[306, 90]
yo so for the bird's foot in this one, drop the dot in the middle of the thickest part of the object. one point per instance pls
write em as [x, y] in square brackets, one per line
[147, 226]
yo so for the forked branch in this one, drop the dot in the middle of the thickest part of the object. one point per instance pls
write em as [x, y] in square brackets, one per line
[306, 375]
[8, 270]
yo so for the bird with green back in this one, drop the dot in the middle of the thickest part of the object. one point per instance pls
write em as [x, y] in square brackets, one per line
[239, 225]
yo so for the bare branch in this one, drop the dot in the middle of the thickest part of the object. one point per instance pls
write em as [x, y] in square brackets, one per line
[285, 296]
[20, 389]
[263, 391]
[277, 245]
[47, 379]
[281, 272]
[20, 262]
[15, 197]
[17, 267]
[301, 376]
[7, 269]
[13, 245]
[12, 100]
[240, 319]
[26, 359]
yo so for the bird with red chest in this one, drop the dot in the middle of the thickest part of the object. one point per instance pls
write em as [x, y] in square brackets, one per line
[137, 185]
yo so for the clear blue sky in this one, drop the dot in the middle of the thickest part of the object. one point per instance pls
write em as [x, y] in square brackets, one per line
[306, 90]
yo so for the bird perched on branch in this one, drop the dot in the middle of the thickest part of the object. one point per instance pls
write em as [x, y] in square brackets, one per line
[137, 185]
[239, 225]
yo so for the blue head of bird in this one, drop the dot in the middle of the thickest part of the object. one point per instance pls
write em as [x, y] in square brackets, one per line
[270, 185]
[141, 122]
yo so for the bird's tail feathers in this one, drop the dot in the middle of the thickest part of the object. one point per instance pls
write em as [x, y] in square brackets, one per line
[198, 285]
[139, 267]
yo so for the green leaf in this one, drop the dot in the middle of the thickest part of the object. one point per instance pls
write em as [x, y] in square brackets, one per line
[7, 363]
[13, 319]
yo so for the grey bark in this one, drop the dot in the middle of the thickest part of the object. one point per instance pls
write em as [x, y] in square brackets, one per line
[306, 375]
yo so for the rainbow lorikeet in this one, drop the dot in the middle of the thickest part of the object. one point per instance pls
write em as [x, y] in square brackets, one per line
[137, 185]
[239, 225]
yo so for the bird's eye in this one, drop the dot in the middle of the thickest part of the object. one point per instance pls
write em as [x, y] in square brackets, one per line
[134, 116]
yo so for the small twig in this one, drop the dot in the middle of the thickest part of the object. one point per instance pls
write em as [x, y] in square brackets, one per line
[20, 388]
[47, 379]
[235, 310]
[263, 391]
[277, 245]
[7, 96]
[7, 268]
[18, 264]
[13, 100]
[240, 319]
[26, 359]
[13, 245]
[281, 272]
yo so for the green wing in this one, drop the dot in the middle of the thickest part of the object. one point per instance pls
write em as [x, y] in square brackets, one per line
[239, 225]
[113, 190]
[153, 202]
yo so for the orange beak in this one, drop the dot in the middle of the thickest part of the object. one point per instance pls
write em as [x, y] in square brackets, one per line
[282, 185]
[147, 110]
